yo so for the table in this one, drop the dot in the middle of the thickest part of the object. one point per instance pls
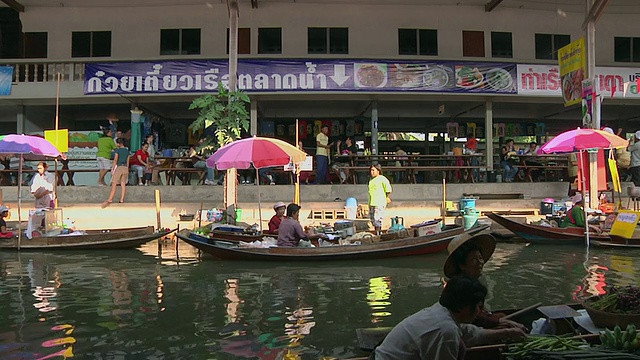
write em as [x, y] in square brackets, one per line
[174, 166]
[70, 172]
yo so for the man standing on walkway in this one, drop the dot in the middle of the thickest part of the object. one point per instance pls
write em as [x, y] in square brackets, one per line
[322, 155]
[379, 191]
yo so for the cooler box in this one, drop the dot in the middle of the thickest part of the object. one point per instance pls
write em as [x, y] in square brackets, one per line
[558, 206]
[427, 228]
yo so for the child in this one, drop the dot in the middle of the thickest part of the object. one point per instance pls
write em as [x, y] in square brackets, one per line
[120, 171]
[4, 212]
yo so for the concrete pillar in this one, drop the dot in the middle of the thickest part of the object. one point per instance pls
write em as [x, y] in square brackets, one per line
[488, 134]
[20, 119]
[374, 128]
[591, 65]
[253, 125]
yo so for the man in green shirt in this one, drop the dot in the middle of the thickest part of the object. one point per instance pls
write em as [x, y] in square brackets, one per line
[379, 191]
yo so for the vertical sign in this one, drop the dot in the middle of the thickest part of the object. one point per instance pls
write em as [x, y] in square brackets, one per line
[6, 77]
[572, 60]
[587, 103]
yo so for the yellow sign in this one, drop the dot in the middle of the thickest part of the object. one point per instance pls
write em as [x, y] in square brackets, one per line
[625, 223]
[59, 139]
[572, 60]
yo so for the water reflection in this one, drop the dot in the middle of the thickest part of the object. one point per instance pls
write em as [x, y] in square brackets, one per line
[156, 303]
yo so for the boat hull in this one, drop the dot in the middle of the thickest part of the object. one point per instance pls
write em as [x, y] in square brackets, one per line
[545, 235]
[94, 239]
[385, 249]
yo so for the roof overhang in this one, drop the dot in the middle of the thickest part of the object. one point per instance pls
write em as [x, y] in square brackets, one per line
[15, 5]
[492, 5]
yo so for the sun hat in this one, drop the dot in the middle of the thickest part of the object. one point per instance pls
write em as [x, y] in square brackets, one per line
[576, 198]
[279, 204]
[485, 242]
[638, 134]
[3, 208]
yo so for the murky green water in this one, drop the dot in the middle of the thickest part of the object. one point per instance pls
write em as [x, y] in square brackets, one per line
[136, 305]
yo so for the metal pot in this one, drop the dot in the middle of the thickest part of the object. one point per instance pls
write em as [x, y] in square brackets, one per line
[633, 191]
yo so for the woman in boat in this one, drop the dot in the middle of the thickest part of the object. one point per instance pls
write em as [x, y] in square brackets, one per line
[274, 223]
[443, 330]
[575, 217]
[467, 256]
[42, 187]
[4, 212]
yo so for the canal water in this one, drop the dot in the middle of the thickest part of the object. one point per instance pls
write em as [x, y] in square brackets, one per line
[139, 304]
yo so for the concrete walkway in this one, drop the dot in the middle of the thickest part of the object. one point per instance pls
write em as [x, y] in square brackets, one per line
[414, 202]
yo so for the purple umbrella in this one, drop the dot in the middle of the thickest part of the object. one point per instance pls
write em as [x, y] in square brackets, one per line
[26, 147]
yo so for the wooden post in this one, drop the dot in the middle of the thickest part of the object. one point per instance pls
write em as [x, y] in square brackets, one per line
[158, 219]
[55, 183]
[296, 167]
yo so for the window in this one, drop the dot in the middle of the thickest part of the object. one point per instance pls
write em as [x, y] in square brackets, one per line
[35, 45]
[179, 41]
[328, 40]
[90, 43]
[418, 42]
[501, 45]
[244, 41]
[626, 49]
[269, 41]
[473, 43]
[547, 45]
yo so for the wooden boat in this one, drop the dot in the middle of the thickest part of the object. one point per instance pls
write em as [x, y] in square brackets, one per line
[407, 246]
[368, 338]
[546, 235]
[617, 241]
[93, 239]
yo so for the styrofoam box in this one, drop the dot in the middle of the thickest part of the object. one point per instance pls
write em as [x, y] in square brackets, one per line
[429, 229]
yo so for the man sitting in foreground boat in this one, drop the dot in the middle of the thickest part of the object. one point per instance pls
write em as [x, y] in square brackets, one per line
[274, 223]
[4, 212]
[467, 256]
[290, 231]
[443, 330]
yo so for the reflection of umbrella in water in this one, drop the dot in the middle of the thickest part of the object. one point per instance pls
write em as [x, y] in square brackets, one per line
[259, 152]
[579, 140]
[26, 147]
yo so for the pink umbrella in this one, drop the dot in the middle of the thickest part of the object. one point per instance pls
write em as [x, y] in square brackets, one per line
[260, 152]
[26, 147]
[579, 140]
[582, 139]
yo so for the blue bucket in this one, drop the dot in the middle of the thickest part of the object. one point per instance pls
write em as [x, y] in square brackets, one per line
[467, 202]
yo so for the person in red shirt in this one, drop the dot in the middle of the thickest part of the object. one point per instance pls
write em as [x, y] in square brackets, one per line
[140, 163]
[275, 221]
[4, 212]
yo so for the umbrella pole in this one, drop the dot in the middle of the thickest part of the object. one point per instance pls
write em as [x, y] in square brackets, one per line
[259, 202]
[20, 200]
[584, 207]
[55, 186]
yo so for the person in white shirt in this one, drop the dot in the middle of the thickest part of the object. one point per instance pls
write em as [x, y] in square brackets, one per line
[443, 330]
[42, 187]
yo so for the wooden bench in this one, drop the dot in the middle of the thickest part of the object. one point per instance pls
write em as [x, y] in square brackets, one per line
[70, 173]
[172, 173]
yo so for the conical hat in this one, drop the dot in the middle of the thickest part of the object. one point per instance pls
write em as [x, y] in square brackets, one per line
[485, 242]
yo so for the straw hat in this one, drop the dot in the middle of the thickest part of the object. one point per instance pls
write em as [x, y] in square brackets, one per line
[279, 204]
[485, 242]
[112, 117]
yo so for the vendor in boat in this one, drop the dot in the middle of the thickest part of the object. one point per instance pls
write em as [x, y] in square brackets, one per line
[467, 256]
[575, 217]
[290, 231]
[42, 187]
[4, 212]
[443, 330]
[274, 223]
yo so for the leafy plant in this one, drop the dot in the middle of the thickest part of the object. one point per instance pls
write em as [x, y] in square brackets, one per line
[228, 117]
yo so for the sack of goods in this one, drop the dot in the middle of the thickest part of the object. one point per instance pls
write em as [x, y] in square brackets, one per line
[40, 192]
